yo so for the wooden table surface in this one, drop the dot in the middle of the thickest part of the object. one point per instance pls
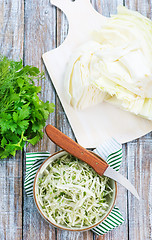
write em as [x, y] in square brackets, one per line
[28, 28]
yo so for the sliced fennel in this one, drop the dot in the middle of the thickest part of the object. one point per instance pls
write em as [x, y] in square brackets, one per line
[72, 194]
[115, 66]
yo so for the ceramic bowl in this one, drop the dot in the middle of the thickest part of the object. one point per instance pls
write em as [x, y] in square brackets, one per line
[55, 156]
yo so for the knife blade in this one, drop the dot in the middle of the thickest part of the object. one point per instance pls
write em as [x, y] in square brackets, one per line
[96, 162]
[111, 173]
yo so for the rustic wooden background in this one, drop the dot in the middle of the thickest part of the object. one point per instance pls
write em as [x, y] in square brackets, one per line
[28, 28]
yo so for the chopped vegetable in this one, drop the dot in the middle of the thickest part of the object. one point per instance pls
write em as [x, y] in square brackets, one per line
[22, 113]
[72, 194]
[114, 67]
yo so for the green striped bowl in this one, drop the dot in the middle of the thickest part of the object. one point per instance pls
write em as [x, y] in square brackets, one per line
[39, 173]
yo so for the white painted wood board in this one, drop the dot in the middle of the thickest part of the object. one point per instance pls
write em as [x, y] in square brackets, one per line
[93, 125]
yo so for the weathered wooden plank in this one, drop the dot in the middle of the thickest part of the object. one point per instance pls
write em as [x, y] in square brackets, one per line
[120, 232]
[11, 198]
[139, 172]
[107, 8]
[39, 27]
[63, 124]
[139, 156]
[142, 6]
[11, 28]
[40, 32]
[11, 45]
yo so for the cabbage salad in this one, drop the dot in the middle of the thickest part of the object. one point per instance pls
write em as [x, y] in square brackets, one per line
[72, 194]
[115, 66]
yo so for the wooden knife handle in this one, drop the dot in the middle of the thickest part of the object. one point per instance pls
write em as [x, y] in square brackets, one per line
[70, 146]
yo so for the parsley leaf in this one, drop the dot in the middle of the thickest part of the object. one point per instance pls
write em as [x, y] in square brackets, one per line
[22, 113]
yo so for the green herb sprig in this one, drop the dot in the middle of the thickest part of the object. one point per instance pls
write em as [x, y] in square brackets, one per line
[22, 113]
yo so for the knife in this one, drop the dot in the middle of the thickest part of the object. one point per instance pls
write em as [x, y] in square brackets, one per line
[96, 162]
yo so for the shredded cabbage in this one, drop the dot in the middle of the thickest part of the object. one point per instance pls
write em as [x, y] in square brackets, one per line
[72, 194]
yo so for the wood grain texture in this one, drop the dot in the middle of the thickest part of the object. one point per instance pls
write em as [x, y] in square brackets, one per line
[142, 6]
[11, 45]
[32, 31]
[11, 198]
[120, 232]
[11, 28]
[40, 35]
[139, 158]
[139, 172]
[107, 8]
[63, 124]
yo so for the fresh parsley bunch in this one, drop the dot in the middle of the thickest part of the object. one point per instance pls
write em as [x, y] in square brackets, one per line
[22, 113]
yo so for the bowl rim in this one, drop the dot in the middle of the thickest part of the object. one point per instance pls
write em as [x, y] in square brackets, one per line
[60, 226]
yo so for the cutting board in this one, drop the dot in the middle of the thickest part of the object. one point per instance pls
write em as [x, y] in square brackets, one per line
[93, 125]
